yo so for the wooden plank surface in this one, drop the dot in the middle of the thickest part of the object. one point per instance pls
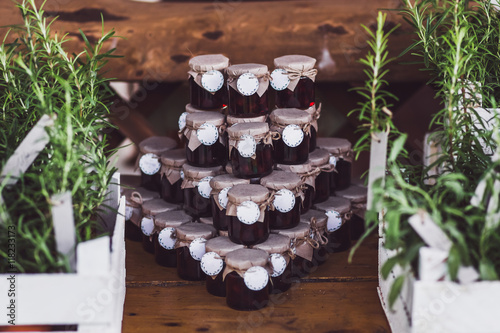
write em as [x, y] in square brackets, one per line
[159, 38]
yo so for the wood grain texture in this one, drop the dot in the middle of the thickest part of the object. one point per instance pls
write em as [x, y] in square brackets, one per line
[159, 38]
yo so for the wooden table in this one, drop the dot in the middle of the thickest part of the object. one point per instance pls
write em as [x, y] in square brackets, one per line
[336, 297]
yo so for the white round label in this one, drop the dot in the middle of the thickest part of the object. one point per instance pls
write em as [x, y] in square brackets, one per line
[197, 248]
[279, 264]
[333, 161]
[334, 220]
[256, 278]
[248, 212]
[147, 226]
[223, 197]
[167, 239]
[211, 264]
[182, 121]
[149, 164]
[128, 212]
[279, 79]
[247, 145]
[208, 134]
[247, 84]
[284, 200]
[212, 80]
[292, 135]
[204, 187]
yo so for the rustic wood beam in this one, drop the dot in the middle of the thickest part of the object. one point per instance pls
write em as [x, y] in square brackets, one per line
[159, 38]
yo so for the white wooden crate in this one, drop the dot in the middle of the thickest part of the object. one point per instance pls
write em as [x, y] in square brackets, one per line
[91, 298]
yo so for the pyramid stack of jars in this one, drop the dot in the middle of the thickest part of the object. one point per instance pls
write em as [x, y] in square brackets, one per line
[253, 197]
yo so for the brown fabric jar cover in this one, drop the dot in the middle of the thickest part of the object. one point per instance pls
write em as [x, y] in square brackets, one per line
[297, 66]
[260, 71]
[171, 164]
[241, 193]
[206, 220]
[193, 175]
[279, 244]
[340, 205]
[317, 222]
[278, 180]
[218, 183]
[305, 171]
[201, 64]
[281, 118]
[337, 147]
[172, 219]
[192, 109]
[155, 206]
[134, 198]
[315, 114]
[302, 243]
[358, 196]
[259, 131]
[195, 120]
[241, 260]
[188, 232]
[154, 145]
[231, 120]
[320, 159]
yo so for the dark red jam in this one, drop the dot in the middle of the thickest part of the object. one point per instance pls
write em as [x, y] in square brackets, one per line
[188, 268]
[302, 97]
[207, 156]
[357, 225]
[340, 240]
[341, 179]
[151, 182]
[203, 99]
[216, 286]
[283, 282]
[279, 220]
[322, 184]
[247, 167]
[196, 205]
[301, 267]
[291, 155]
[164, 257]
[220, 220]
[147, 244]
[171, 192]
[247, 106]
[132, 231]
[312, 140]
[308, 198]
[248, 234]
[239, 297]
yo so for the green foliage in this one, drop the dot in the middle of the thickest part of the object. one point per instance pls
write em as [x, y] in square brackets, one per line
[38, 77]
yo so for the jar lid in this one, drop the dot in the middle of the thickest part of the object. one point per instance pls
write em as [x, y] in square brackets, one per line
[251, 192]
[156, 206]
[192, 109]
[174, 158]
[172, 219]
[231, 120]
[297, 168]
[334, 145]
[275, 243]
[227, 180]
[253, 129]
[321, 218]
[222, 246]
[338, 204]
[195, 120]
[278, 180]
[237, 70]
[157, 145]
[206, 62]
[191, 231]
[243, 259]
[300, 231]
[355, 193]
[207, 220]
[295, 61]
[290, 117]
[146, 195]
[319, 157]
[200, 173]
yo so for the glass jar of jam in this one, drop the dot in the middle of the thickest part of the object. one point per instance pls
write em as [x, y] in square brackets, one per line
[315, 114]
[341, 157]
[148, 160]
[166, 225]
[357, 195]
[134, 198]
[338, 212]
[231, 120]
[302, 245]
[218, 198]
[150, 209]
[320, 161]
[247, 89]
[205, 142]
[308, 176]
[317, 223]
[247, 209]
[278, 248]
[294, 127]
[213, 263]
[246, 276]
[190, 248]
[171, 177]
[287, 192]
[206, 81]
[293, 80]
[196, 189]
[251, 149]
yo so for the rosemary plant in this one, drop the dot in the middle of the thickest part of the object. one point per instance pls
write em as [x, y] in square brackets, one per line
[38, 77]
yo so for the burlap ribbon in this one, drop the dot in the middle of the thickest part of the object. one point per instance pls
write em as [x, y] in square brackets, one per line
[232, 207]
[298, 192]
[306, 128]
[241, 272]
[318, 233]
[190, 133]
[173, 174]
[136, 203]
[309, 178]
[266, 139]
[190, 182]
[316, 114]
[197, 74]
[305, 246]
[263, 83]
[294, 75]
[215, 195]
[346, 156]
[182, 242]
